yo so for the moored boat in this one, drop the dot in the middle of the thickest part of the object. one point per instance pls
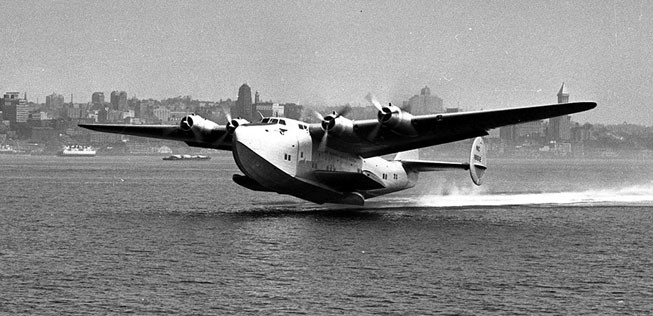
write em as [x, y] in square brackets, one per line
[187, 157]
[77, 151]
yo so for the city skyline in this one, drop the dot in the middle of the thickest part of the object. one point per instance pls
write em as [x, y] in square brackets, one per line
[473, 56]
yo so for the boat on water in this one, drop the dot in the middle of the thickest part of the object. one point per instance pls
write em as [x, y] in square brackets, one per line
[7, 149]
[77, 151]
[187, 157]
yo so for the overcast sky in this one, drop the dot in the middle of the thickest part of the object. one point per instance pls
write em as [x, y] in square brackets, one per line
[474, 55]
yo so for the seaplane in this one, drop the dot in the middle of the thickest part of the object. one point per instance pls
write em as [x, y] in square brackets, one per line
[339, 160]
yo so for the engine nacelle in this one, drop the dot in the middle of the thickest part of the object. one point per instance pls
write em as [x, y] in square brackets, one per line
[395, 119]
[197, 124]
[231, 127]
[338, 125]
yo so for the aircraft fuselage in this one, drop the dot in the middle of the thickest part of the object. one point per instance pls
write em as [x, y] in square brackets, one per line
[281, 156]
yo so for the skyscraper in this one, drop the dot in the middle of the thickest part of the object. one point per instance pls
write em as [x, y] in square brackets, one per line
[14, 109]
[97, 98]
[244, 103]
[119, 101]
[54, 101]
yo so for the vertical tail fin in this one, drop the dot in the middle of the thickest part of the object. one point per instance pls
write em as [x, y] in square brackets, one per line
[478, 160]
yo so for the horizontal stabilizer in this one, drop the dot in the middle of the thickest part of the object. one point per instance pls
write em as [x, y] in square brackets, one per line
[408, 155]
[426, 165]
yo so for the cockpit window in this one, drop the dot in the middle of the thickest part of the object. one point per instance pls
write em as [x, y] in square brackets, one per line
[274, 121]
[265, 120]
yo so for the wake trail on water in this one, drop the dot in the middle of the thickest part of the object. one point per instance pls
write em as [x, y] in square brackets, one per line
[637, 195]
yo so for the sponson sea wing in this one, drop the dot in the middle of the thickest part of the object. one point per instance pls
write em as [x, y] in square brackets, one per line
[434, 129]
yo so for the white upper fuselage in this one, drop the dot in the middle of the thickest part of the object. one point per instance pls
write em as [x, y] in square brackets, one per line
[281, 155]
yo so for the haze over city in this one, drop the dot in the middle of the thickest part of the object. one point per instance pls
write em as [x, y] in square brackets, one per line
[472, 54]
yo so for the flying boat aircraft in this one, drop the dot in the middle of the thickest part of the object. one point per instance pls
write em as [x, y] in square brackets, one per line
[339, 160]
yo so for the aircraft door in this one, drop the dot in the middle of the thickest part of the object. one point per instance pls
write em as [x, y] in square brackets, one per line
[304, 146]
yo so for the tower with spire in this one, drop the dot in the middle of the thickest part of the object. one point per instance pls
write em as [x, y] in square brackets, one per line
[563, 94]
[560, 126]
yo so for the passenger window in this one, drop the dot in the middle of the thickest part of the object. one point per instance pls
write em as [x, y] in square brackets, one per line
[273, 121]
[282, 122]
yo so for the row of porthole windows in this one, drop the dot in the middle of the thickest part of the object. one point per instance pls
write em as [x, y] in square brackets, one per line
[288, 157]
[394, 176]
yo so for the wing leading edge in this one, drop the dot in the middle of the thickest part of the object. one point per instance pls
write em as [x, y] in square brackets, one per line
[435, 129]
[217, 137]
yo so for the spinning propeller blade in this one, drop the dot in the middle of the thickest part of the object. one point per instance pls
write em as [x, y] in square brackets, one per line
[328, 122]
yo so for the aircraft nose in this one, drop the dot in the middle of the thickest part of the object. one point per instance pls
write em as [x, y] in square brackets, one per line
[247, 149]
[244, 136]
[239, 136]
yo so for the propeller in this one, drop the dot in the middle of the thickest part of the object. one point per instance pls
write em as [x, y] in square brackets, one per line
[384, 114]
[328, 122]
[372, 99]
[229, 127]
[186, 123]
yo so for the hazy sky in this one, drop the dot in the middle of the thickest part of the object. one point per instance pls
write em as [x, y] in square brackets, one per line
[476, 54]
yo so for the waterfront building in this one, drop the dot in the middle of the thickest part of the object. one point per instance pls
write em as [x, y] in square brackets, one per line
[293, 111]
[162, 114]
[97, 98]
[425, 103]
[14, 108]
[54, 101]
[265, 108]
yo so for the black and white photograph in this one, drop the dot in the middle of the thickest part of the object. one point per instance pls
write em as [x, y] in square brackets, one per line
[308, 157]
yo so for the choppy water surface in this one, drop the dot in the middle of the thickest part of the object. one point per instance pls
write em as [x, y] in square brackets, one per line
[141, 235]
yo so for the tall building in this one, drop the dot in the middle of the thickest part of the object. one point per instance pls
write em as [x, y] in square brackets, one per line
[162, 113]
[293, 111]
[560, 126]
[119, 101]
[97, 98]
[14, 109]
[265, 108]
[54, 101]
[425, 103]
[243, 106]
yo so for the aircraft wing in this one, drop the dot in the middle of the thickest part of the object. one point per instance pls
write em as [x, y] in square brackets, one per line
[435, 129]
[215, 137]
